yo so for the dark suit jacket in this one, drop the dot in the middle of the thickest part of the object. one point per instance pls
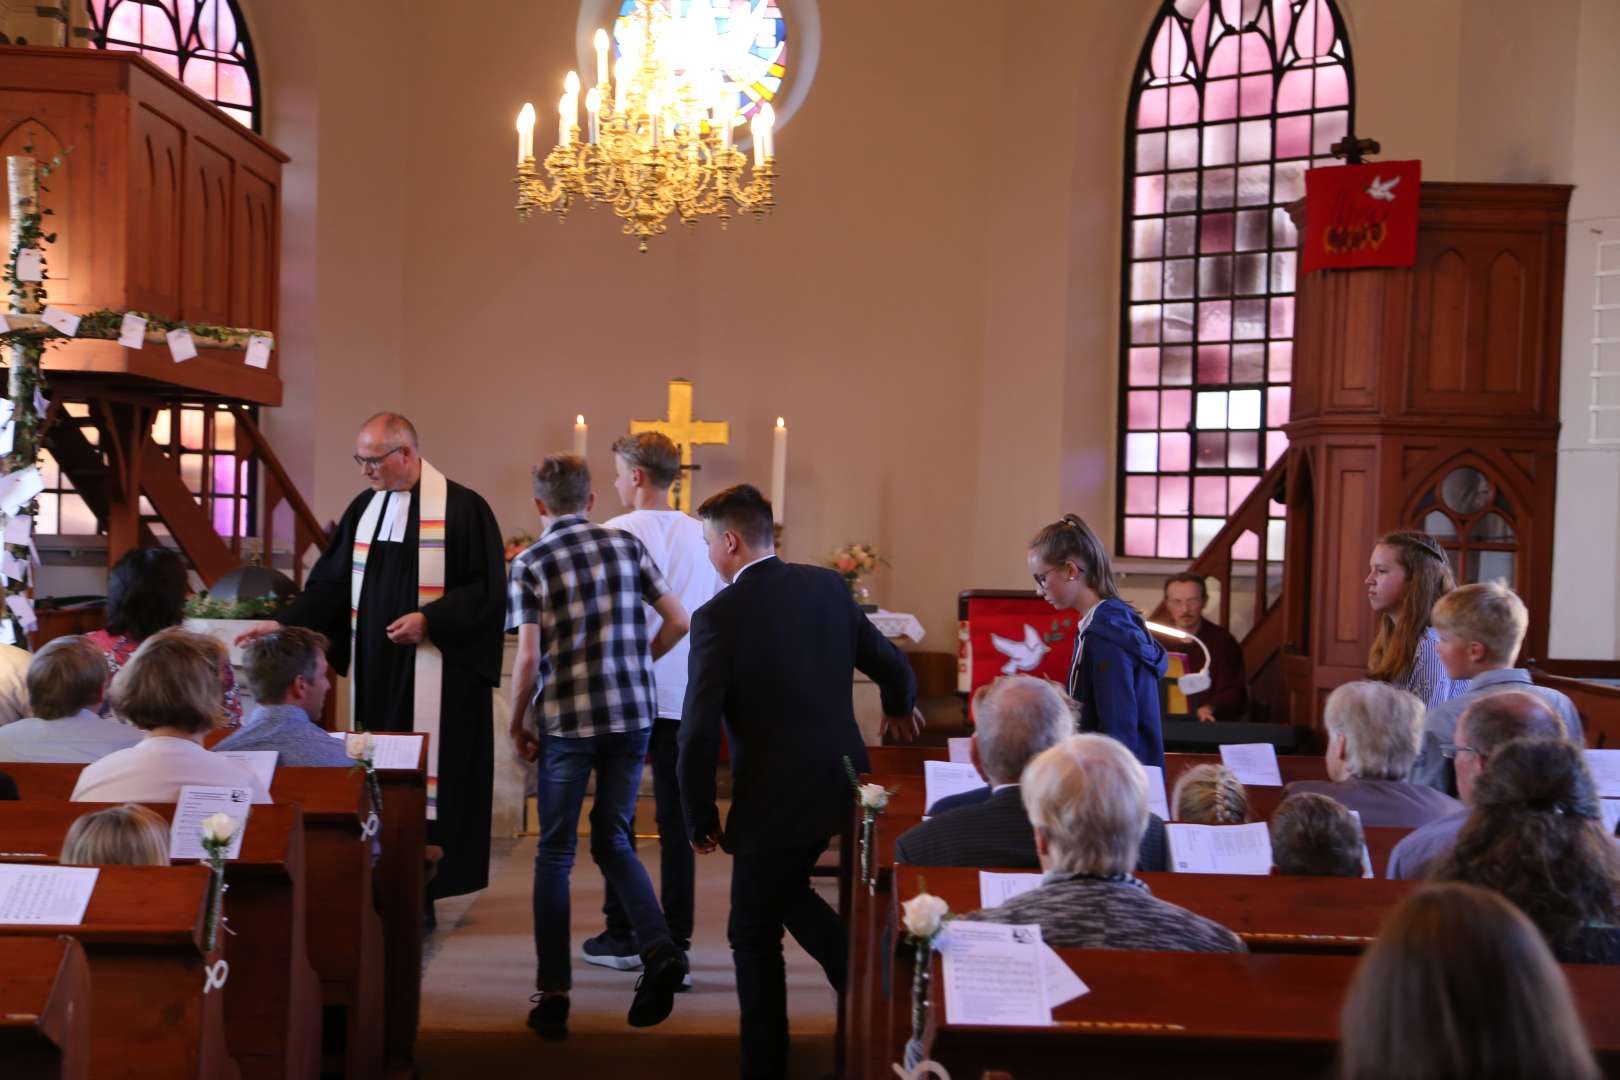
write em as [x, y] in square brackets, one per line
[774, 658]
[995, 832]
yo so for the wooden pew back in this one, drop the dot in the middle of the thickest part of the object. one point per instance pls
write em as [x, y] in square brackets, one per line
[44, 1009]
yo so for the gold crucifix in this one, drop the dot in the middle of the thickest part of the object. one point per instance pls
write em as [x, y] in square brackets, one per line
[685, 433]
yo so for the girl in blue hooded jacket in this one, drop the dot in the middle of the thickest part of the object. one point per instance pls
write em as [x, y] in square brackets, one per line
[1117, 664]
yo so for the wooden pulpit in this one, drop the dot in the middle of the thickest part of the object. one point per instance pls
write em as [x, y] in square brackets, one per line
[1425, 398]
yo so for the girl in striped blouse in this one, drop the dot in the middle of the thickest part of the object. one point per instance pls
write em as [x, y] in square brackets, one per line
[1407, 573]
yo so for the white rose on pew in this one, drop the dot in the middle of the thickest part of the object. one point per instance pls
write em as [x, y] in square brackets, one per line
[874, 796]
[218, 828]
[924, 915]
[359, 745]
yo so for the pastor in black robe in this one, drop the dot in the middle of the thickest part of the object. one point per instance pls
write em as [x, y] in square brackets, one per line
[467, 626]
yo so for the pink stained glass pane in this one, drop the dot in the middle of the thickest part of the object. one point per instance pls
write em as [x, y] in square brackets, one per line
[156, 29]
[1332, 88]
[1313, 36]
[1200, 32]
[1282, 21]
[1175, 452]
[1247, 547]
[1278, 399]
[168, 63]
[1276, 447]
[1290, 182]
[1254, 140]
[1150, 152]
[1149, 195]
[1256, 53]
[1282, 317]
[1256, 95]
[200, 76]
[1145, 278]
[1220, 144]
[1215, 232]
[1175, 410]
[1281, 363]
[1240, 486]
[1209, 496]
[1243, 450]
[241, 116]
[1249, 320]
[234, 85]
[1214, 363]
[1178, 326]
[1248, 364]
[1139, 536]
[1178, 367]
[125, 24]
[1144, 364]
[1294, 92]
[1254, 185]
[1142, 410]
[1148, 239]
[1168, 57]
[1178, 279]
[1329, 129]
[1183, 104]
[1275, 508]
[1221, 99]
[1141, 453]
[216, 26]
[1282, 272]
[1173, 494]
[1215, 321]
[1144, 323]
[1294, 137]
[1153, 107]
[225, 476]
[1172, 538]
[1224, 60]
[1139, 495]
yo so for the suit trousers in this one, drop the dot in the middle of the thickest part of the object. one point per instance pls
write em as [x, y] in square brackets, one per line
[770, 892]
[676, 868]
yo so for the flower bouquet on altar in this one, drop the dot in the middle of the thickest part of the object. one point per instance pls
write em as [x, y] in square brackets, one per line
[854, 562]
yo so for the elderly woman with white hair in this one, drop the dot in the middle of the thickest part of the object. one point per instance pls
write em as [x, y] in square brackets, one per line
[1087, 798]
[1374, 731]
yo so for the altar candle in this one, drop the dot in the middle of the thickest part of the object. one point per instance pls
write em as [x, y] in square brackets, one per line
[580, 431]
[525, 130]
[601, 57]
[779, 469]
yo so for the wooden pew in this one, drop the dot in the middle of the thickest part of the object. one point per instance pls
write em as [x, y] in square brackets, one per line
[273, 1000]
[1163, 1014]
[344, 932]
[151, 1014]
[44, 1008]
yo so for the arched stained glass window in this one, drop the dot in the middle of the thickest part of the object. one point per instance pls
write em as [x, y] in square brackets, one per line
[1233, 101]
[746, 41]
[203, 43]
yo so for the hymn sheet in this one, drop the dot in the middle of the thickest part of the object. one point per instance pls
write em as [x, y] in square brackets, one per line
[942, 778]
[1219, 849]
[1252, 763]
[197, 803]
[45, 895]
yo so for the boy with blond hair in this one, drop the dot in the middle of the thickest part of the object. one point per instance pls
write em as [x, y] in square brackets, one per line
[1481, 628]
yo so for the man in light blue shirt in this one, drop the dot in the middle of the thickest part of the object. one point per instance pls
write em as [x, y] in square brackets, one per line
[67, 679]
[287, 671]
[1480, 629]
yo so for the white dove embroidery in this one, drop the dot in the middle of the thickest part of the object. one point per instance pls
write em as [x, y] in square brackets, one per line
[1021, 655]
[1382, 189]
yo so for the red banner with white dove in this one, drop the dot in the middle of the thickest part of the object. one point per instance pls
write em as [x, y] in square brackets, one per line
[1361, 215]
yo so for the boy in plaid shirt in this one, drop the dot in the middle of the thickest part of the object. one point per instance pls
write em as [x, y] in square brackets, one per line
[584, 660]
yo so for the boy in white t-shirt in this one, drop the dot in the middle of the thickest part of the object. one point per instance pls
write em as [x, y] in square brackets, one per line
[645, 467]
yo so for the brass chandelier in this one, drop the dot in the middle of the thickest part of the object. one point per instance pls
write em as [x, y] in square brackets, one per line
[658, 138]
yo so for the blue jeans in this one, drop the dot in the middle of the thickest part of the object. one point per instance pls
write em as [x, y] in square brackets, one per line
[565, 766]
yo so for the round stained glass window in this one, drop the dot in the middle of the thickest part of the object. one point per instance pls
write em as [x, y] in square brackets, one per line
[745, 41]
[1465, 490]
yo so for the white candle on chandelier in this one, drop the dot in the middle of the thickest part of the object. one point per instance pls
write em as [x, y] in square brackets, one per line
[566, 111]
[525, 130]
[593, 106]
[779, 468]
[621, 85]
[655, 106]
[580, 431]
[601, 42]
[757, 130]
[767, 118]
[726, 114]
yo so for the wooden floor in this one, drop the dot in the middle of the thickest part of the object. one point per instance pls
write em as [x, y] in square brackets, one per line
[480, 972]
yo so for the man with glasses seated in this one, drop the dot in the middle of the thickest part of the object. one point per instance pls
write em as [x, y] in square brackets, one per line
[1488, 724]
[411, 591]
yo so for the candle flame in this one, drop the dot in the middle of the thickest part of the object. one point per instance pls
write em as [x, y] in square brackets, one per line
[780, 422]
[580, 419]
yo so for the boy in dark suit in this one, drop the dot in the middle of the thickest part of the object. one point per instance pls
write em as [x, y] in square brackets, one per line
[773, 658]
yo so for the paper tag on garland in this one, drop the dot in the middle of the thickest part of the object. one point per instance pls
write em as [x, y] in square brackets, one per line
[14, 568]
[19, 529]
[181, 347]
[30, 264]
[24, 610]
[258, 351]
[8, 438]
[61, 321]
[132, 333]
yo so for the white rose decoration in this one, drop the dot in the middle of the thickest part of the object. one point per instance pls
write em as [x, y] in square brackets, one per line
[218, 828]
[874, 796]
[359, 745]
[924, 915]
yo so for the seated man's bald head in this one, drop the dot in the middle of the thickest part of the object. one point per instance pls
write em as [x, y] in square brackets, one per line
[390, 428]
[1016, 717]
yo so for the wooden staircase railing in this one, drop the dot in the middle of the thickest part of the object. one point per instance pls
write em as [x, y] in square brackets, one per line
[1252, 609]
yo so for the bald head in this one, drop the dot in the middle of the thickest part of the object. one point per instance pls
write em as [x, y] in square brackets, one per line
[385, 450]
[1494, 721]
[1015, 718]
[390, 428]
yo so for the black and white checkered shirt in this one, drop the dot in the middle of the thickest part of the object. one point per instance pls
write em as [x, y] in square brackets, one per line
[584, 585]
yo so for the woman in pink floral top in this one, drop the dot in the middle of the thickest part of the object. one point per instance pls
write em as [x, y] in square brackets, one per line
[146, 592]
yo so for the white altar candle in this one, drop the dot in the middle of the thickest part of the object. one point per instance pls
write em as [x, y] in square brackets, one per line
[525, 130]
[580, 431]
[779, 469]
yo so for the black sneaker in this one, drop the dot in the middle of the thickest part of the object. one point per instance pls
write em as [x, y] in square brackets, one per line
[549, 1017]
[656, 989]
[611, 952]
